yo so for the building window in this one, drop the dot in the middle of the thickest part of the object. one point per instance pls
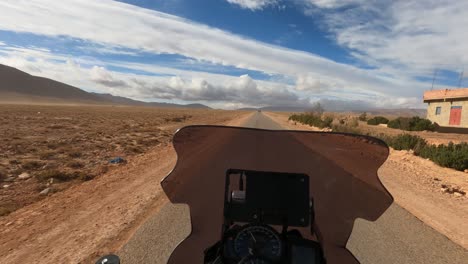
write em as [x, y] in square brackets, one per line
[438, 110]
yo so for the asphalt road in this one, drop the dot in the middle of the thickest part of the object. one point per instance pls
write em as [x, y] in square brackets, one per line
[396, 237]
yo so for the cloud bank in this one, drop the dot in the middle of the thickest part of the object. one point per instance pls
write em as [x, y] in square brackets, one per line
[394, 39]
[408, 38]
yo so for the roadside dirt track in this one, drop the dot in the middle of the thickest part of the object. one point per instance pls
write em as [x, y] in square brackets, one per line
[82, 222]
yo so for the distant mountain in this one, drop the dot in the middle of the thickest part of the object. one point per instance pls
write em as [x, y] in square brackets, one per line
[21, 87]
[346, 106]
[285, 108]
[127, 101]
[406, 112]
[248, 109]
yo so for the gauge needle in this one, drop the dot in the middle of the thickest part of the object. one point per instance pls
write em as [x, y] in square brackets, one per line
[253, 237]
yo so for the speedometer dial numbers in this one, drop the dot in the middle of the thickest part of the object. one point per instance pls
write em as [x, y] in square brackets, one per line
[258, 241]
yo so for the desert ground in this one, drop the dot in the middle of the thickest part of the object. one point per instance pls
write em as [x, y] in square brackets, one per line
[46, 149]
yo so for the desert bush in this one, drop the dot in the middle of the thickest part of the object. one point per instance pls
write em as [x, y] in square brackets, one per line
[14, 162]
[83, 176]
[377, 120]
[363, 117]
[346, 129]
[46, 155]
[56, 126]
[75, 165]
[4, 211]
[52, 145]
[135, 149]
[327, 121]
[32, 165]
[354, 122]
[3, 174]
[406, 142]
[8, 208]
[312, 120]
[452, 155]
[178, 119]
[55, 174]
[103, 169]
[75, 154]
[411, 124]
[316, 109]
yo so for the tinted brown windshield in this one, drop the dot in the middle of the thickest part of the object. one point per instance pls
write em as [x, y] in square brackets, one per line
[342, 170]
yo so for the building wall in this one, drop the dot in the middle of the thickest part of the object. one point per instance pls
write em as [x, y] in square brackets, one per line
[444, 117]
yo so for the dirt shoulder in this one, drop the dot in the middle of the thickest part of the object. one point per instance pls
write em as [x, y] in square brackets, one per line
[435, 195]
[96, 216]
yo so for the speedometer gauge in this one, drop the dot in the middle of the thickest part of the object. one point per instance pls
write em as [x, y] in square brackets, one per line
[258, 240]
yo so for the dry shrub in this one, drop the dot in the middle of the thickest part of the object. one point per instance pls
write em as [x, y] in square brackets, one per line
[84, 176]
[32, 165]
[75, 154]
[55, 126]
[47, 155]
[354, 122]
[135, 149]
[55, 174]
[75, 165]
[6, 209]
[3, 174]
[63, 176]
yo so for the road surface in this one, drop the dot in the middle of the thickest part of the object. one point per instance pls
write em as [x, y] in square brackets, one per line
[396, 237]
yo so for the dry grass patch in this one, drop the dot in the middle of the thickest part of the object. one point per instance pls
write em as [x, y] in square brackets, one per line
[74, 143]
[31, 165]
[7, 208]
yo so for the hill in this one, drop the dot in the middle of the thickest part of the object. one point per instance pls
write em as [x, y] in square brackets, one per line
[20, 87]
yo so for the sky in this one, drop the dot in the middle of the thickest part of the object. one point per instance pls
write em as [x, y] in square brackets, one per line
[242, 53]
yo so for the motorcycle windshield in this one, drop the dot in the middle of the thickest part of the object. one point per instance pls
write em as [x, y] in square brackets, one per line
[342, 171]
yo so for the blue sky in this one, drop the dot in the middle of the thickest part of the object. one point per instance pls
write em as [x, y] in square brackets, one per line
[238, 53]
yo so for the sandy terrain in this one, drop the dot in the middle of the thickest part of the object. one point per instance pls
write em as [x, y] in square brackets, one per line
[55, 147]
[91, 217]
[434, 194]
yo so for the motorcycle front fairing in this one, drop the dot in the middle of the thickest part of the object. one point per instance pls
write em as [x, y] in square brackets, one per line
[342, 170]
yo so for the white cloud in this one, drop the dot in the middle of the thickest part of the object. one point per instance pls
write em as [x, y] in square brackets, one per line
[107, 50]
[331, 3]
[309, 82]
[404, 37]
[216, 90]
[113, 27]
[104, 77]
[189, 86]
[117, 24]
[253, 4]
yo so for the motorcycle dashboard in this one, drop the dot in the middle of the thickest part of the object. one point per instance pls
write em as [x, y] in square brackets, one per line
[272, 198]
